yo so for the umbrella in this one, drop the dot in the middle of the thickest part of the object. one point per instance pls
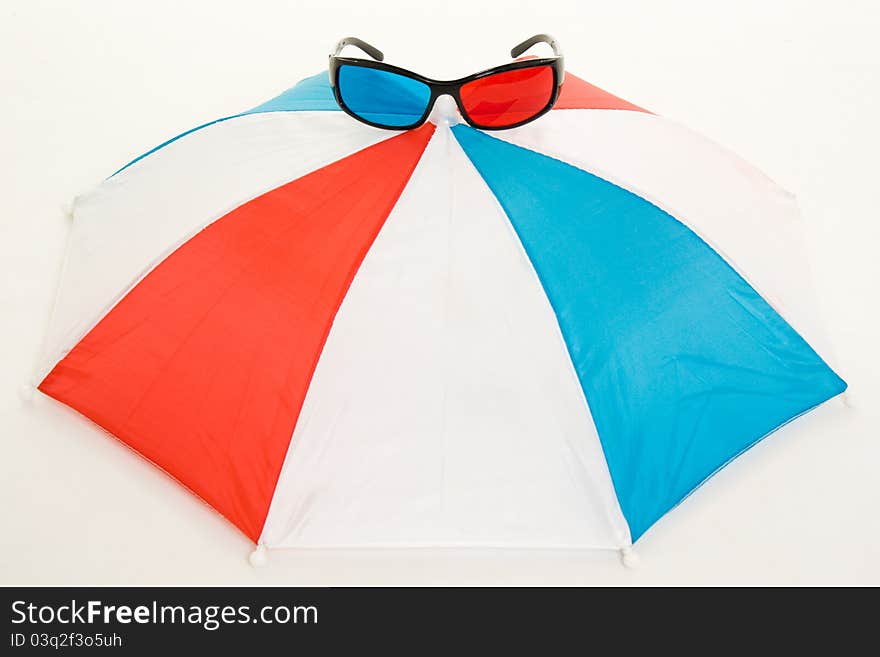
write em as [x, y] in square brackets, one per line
[343, 336]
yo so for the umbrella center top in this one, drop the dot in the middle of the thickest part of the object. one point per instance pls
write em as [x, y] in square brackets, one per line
[445, 112]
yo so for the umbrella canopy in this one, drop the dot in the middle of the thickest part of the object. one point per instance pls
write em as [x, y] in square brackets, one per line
[338, 335]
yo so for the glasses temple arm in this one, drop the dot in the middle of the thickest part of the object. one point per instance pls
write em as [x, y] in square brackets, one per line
[372, 51]
[531, 41]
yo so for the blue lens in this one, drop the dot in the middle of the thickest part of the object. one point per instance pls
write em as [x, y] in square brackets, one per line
[383, 97]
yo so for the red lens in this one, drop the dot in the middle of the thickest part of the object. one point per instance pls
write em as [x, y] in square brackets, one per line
[508, 98]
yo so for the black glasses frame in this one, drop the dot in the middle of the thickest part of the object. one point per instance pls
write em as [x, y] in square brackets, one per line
[447, 87]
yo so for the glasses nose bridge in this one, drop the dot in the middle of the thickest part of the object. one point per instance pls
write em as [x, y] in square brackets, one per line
[446, 88]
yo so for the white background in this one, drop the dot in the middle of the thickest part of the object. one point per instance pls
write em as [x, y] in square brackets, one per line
[792, 86]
